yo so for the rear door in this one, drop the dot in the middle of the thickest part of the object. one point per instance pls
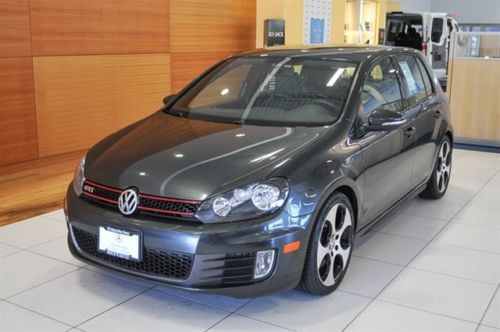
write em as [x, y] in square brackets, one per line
[419, 95]
[438, 28]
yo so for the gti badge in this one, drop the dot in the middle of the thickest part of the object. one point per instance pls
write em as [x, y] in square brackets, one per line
[128, 201]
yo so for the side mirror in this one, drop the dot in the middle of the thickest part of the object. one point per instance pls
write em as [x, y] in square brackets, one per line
[383, 119]
[167, 99]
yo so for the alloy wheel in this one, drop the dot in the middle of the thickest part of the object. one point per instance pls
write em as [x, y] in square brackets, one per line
[443, 167]
[335, 244]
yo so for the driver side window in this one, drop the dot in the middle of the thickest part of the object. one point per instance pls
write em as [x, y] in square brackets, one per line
[381, 90]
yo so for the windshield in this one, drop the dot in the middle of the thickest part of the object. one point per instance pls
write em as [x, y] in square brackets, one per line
[272, 91]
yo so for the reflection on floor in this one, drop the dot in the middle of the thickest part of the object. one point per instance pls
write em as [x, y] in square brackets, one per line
[434, 265]
[35, 187]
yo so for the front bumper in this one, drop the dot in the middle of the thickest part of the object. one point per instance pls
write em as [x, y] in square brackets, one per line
[212, 258]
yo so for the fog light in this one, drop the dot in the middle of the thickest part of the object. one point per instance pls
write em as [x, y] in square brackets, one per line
[263, 263]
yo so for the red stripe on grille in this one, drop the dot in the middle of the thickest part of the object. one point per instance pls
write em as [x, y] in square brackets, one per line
[103, 187]
[166, 199]
[99, 197]
[164, 211]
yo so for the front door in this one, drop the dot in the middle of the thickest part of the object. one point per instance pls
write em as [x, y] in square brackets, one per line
[388, 155]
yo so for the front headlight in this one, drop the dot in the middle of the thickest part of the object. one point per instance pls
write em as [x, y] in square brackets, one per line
[247, 202]
[79, 177]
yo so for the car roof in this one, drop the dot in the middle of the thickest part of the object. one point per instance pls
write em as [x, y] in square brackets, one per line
[356, 53]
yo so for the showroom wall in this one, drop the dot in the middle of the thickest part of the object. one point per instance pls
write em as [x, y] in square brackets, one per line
[415, 5]
[74, 71]
[292, 11]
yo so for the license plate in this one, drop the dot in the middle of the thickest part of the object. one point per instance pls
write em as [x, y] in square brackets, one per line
[120, 243]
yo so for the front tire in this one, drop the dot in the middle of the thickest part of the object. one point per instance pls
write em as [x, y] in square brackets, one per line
[440, 177]
[330, 247]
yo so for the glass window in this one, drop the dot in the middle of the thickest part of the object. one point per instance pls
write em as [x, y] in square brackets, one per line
[427, 80]
[437, 29]
[224, 88]
[272, 90]
[415, 86]
[381, 89]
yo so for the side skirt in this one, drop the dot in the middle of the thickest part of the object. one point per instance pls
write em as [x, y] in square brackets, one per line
[412, 194]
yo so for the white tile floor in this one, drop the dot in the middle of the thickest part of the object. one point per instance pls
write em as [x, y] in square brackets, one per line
[435, 265]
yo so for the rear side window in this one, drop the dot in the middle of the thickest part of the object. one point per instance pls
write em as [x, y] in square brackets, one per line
[415, 86]
[381, 89]
[437, 30]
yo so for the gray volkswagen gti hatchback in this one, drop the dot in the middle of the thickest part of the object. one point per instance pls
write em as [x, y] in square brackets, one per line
[259, 174]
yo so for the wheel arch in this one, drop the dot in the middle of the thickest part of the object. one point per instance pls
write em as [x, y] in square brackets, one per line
[449, 134]
[349, 188]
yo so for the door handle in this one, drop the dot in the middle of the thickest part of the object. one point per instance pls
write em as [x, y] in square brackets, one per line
[437, 114]
[410, 131]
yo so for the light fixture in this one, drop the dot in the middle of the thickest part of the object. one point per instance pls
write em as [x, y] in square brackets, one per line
[240, 135]
[178, 155]
[264, 263]
[224, 92]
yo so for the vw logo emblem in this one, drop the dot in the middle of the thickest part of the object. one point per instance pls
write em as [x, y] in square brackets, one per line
[128, 201]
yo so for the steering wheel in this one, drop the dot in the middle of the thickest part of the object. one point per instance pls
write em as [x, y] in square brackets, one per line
[375, 94]
[323, 103]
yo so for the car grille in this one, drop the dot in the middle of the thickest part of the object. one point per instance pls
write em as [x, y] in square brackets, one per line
[149, 204]
[155, 261]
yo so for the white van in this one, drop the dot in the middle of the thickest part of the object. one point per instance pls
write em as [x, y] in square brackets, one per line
[428, 32]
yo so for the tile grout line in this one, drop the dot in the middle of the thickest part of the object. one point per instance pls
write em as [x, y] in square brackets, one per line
[262, 321]
[213, 325]
[158, 288]
[457, 221]
[378, 260]
[235, 312]
[451, 275]
[418, 253]
[405, 236]
[30, 250]
[112, 307]
[426, 311]
[39, 313]
[53, 258]
[43, 283]
[495, 293]
[36, 245]
[468, 248]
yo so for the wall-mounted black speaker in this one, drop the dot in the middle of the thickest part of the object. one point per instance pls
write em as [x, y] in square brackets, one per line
[274, 32]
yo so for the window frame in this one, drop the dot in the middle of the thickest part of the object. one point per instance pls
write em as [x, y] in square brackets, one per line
[405, 83]
[360, 122]
[430, 77]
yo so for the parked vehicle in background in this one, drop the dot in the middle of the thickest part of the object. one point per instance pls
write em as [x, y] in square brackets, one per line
[428, 32]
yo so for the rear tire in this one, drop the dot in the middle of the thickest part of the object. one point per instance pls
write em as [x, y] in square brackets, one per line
[440, 177]
[330, 247]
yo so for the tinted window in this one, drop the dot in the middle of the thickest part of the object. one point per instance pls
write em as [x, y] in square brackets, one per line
[437, 29]
[415, 86]
[381, 89]
[270, 91]
[425, 75]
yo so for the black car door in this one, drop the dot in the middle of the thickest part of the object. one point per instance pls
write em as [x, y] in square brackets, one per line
[421, 101]
[387, 155]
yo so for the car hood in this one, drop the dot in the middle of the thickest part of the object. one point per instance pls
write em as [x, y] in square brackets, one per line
[176, 157]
